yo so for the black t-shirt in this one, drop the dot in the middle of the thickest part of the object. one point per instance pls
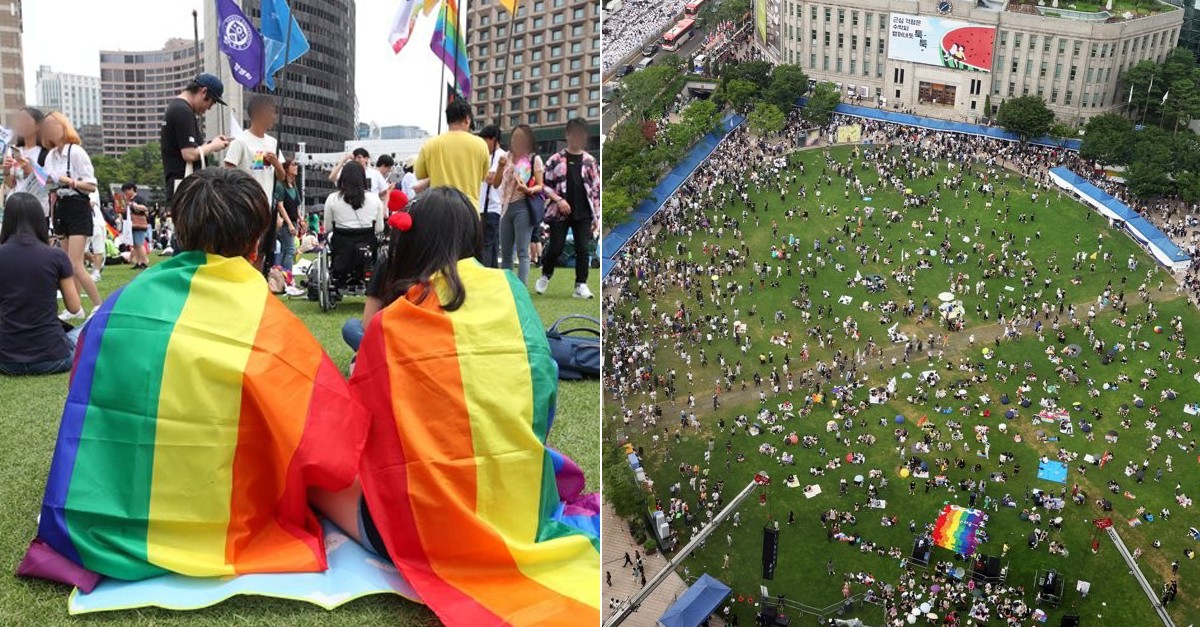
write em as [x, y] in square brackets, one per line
[180, 130]
[29, 276]
[576, 192]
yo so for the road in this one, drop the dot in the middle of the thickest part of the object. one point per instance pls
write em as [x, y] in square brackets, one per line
[611, 114]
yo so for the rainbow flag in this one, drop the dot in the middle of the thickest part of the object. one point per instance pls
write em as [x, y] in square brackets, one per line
[449, 45]
[199, 412]
[487, 523]
[957, 529]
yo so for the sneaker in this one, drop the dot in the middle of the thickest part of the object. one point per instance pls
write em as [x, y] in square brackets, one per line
[542, 283]
[67, 316]
[95, 276]
[582, 291]
[292, 290]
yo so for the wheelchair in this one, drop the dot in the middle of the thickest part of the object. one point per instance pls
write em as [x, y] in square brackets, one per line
[343, 266]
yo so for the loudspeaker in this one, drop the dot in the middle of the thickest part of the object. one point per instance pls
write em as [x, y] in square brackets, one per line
[1070, 620]
[770, 554]
[1050, 585]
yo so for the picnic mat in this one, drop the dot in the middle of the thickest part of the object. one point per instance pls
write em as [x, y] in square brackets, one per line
[1055, 471]
[353, 573]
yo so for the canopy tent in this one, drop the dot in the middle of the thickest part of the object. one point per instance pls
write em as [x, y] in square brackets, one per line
[1139, 229]
[696, 604]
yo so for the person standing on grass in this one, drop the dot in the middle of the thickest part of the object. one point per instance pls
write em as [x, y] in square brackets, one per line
[456, 158]
[257, 154]
[69, 170]
[489, 198]
[138, 215]
[519, 174]
[288, 199]
[32, 340]
[377, 183]
[573, 196]
[183, 147]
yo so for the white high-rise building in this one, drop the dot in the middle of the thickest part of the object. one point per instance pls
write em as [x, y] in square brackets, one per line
[75, 95]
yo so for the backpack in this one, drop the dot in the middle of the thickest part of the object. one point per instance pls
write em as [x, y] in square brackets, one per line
[576, 350]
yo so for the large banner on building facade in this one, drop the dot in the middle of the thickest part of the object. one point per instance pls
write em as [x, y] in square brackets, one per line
[768, 27]
[936, 41]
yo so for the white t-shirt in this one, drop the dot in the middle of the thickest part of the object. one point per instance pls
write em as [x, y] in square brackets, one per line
[246, 153]
[70, 160]
[490, 195]
[29, 184]
[409, 184]
[376, 184]
[339, 213]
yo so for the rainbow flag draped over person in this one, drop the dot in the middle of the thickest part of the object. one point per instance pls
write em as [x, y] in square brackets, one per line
[957, 529]
[200, 411]
[487, 523]
[449, 45]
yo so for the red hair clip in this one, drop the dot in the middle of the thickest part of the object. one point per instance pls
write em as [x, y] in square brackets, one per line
[401, 221]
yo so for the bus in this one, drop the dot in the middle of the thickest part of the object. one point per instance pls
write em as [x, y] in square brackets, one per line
[679, 33]
[693, 7]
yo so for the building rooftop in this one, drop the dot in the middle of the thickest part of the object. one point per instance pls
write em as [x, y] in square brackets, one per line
[1091, 10]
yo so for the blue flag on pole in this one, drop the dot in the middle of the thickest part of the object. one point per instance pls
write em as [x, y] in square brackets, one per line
[280, 51]
[241, 42]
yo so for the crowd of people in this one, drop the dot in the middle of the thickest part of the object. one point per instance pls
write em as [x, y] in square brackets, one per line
[689, 278]
[633, 25]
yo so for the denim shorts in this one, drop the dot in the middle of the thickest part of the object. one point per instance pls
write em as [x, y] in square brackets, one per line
[139, 237]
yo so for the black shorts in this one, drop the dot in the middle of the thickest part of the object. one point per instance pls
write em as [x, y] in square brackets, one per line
[73, 216]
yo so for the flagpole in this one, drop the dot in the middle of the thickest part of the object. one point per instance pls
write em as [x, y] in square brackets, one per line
[459, 38]
[512, 28]
[287, 52]
[442, 82]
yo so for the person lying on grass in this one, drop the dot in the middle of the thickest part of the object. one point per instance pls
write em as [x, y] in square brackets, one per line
[199, 413]
[458, 487]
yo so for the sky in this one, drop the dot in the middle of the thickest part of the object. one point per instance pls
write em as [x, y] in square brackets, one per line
[381, 76]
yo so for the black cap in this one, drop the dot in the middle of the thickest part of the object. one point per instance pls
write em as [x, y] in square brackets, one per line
[215, 87]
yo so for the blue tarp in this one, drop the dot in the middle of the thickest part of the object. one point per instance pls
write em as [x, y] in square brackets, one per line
[694, 606]
[1052, 470]
[946, 125]
[619, 236]
[1140, 229]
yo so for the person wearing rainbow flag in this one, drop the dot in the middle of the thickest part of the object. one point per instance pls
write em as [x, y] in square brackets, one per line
[458, 487]
[194, 453]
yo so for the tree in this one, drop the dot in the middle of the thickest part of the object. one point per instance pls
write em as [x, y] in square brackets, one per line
[987, 107]
[671, 60]
[702, 116]
[738, 93]
[822, 102]
[1151, 165]
[726, 11]
[788, 84]
[1108, 138]
[639, 90]
[757, 72]
[1027, 116]
[766, 119]
[1061, 132]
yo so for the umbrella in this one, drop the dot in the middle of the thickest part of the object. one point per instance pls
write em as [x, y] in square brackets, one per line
[858, 478]
[1086, 427]
[849, 457]
[945, 297]
[1010, 414]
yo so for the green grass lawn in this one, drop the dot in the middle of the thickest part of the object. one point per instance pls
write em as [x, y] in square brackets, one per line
[29, 415]
[1116, 598]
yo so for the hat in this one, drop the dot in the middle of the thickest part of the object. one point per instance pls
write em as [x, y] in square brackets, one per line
[215, 87]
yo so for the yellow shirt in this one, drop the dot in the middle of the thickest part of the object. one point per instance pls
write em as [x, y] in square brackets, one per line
[456, 159]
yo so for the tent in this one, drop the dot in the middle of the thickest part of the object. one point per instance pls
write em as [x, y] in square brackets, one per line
[696, 604]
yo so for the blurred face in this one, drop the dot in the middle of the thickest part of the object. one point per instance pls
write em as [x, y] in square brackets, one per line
[293, 169]
[267, 116]
[129, 193]
[23, 124]
[576, 138]
[522, 143]
[491, 143]
[53, 131]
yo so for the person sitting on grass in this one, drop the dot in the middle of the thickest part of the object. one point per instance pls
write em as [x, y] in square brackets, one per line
[458, 487]
[33, 340]
[199, 413]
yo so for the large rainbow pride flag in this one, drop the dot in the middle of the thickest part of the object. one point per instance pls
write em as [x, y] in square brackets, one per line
[957, 529]
[487, 523]
[200, 410]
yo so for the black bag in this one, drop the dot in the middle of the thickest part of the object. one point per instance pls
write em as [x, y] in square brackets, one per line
[576, 350]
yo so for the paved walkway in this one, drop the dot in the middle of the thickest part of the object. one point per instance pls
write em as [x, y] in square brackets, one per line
[616, 542]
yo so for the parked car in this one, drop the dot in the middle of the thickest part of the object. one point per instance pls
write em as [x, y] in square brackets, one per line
[650, 50]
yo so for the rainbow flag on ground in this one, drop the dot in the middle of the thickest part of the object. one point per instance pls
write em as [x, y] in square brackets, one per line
[487, 523]
[957, 529]
[200, 410]
[449, 45]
